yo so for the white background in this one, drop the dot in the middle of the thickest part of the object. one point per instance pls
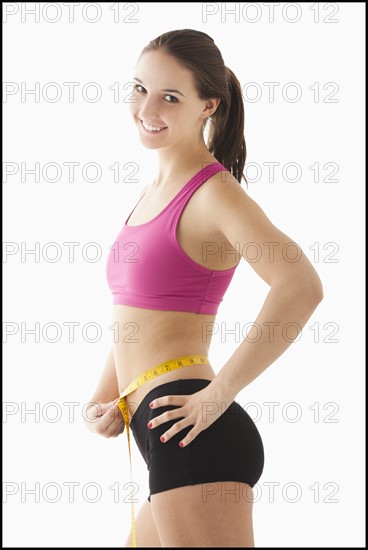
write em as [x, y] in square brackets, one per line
[321, 454]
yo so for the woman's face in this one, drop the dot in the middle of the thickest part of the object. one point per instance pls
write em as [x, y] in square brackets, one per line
[164, 97]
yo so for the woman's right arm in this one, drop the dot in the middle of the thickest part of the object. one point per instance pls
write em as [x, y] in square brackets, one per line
[102, 414]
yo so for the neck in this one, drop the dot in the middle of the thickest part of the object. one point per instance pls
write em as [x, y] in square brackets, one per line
[181, 160]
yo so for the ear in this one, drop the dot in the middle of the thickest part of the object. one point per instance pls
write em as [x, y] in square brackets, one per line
[210, 107]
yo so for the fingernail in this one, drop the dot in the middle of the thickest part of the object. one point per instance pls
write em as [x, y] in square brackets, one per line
[151, 405]
[181, 444]
[149, 424]
[162, 439]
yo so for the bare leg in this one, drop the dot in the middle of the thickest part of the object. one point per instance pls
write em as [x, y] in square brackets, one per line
[214, 515]
[145, 529]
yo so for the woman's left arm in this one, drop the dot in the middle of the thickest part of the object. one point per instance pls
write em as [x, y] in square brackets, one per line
[295, 292]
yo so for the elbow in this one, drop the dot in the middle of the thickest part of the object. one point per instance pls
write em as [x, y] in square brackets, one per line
[317, 289]
[313, 292]
[319, 294]
[307, 289]
[316, 297]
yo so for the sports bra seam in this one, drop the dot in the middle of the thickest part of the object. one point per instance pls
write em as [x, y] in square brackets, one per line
[204, 300]
[198, 302]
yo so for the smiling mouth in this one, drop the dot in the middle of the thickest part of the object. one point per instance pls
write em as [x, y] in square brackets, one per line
[152, 129]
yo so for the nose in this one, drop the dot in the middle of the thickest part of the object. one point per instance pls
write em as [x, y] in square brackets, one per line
[149, 109]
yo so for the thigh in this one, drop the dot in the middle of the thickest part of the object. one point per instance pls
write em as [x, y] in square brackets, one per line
[205, 515]
[145, 529]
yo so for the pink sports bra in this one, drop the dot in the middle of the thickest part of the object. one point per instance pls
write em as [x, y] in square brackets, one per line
[147, 268]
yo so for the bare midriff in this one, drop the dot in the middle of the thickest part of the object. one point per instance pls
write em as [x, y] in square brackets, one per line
[144, 338]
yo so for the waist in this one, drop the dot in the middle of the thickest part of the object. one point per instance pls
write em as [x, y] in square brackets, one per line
[160, 320]
[145, 338]
[160, 373]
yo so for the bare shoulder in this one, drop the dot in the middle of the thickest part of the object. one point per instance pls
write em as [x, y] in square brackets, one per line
[233, 213]
[227, 202]
[223, 186]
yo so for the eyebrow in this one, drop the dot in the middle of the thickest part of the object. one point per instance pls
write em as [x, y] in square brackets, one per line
[166, 90]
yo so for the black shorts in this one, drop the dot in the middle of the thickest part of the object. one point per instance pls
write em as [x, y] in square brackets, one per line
[230, 449]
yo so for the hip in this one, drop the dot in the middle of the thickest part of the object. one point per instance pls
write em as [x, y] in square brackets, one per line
[135, 398]
[231, 448]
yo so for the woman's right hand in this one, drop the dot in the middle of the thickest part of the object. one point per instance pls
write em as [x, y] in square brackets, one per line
[104, 419]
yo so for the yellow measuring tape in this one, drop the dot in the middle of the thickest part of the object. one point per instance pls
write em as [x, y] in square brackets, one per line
[162, 368]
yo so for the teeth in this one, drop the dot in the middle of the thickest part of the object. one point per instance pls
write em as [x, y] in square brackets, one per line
[152, 128]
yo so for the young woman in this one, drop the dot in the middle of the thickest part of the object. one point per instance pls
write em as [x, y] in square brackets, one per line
[168, 271]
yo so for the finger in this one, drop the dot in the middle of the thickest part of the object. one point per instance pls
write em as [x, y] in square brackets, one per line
[99, 409]
[189, 438]
[120, 427]
[165, 417]
[109, 403]
[111, 417]
[115, 428]
[169, 400]
[177, 427]
[95, 413]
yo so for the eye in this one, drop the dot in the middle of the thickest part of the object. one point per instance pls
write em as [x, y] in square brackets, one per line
[173, 97]
[172, 100]
[137, 86]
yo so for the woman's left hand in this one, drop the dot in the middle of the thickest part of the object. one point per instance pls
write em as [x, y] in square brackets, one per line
[200, 410]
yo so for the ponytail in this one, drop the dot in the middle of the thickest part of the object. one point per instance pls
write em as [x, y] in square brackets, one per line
[226, 137]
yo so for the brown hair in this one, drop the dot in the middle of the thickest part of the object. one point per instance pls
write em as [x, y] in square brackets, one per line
[197, 51]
